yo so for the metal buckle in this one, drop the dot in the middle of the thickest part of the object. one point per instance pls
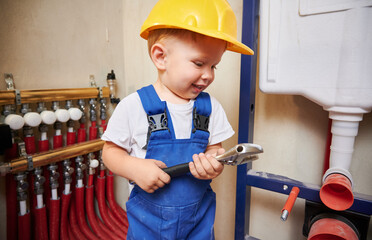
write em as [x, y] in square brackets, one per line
[158, 122]
[201, 122]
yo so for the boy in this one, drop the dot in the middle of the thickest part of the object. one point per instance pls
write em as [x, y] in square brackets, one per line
[173, 121]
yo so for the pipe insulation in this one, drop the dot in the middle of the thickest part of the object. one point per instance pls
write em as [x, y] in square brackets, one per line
[75, 228]
[79, 194]
[11, 197]
[24, 231]
[100, 230]
[104, 211]
[64, 225]
[119, 213]
[41, 226]
[54, 219]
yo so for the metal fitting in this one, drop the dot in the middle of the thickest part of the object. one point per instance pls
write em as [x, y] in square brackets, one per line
[27, 131]
[67, 171]
[7, 109]
[21, 147]
[43, 127]
[55, 105]
[25, 108]
[40, 107]
[81, 103]
[80, 167]
[70, 123]
[92, 109]
[39, 181]
[57, 125]
[68, 104]
[53, 176]
[103, 109]
[22, 186]
[101, 164]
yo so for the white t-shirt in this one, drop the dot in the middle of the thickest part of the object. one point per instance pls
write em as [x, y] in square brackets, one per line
[128, 124]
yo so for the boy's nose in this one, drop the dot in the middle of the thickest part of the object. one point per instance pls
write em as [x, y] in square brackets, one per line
[208, 75]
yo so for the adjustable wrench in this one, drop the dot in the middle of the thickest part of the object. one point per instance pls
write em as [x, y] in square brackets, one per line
[240, 154]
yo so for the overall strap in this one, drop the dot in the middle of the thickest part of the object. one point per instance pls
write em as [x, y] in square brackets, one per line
[201, 113]
[158, 117]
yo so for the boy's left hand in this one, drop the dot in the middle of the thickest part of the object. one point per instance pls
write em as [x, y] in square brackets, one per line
[205, 166]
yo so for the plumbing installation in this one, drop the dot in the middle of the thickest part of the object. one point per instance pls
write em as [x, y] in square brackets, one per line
[52, 184]
[321, 50]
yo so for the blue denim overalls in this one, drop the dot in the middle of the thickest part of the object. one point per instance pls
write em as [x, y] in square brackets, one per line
[185, 208]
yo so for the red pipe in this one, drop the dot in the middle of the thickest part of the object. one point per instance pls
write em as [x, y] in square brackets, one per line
[30, 146]
[107, 231]
[41, 227]
[122, 227]
[70, 234]
[79, 194]
[75, 228]
[43, 147]
[11, 197]
[82, 134]
[93, 131]
[57, 141]
[24, 231]
[54, 217]
[11, 207]
[118, 212]
[92, 218]
[64, 218]
[115, 227]
[55, 204]
[70, 139]
[103, 125]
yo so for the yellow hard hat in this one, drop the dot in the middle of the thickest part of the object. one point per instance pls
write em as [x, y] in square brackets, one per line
[213, 18]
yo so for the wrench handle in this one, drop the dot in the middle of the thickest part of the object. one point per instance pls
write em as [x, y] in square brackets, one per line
[177, 170]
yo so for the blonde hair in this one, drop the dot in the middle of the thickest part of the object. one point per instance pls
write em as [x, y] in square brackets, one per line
[158, 35]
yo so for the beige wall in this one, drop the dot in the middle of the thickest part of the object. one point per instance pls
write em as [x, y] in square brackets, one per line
[58, 44]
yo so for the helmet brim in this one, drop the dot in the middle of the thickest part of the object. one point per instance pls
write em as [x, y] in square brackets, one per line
[232, 44]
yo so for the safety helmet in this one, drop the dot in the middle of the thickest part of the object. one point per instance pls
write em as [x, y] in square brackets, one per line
[213, 18]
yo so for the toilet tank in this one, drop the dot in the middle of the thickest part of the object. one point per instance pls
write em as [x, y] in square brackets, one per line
[320, 49]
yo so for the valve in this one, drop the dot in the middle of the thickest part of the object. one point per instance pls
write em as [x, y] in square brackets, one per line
[22, 186]
[53, 176]
[39, 181]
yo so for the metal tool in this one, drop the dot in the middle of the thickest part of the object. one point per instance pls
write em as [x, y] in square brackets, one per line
[240, 154]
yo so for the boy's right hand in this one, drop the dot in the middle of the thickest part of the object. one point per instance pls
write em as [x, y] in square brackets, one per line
[150, 176]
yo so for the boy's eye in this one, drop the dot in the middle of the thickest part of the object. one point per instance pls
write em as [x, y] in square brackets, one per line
[214, 67]
[199, 64]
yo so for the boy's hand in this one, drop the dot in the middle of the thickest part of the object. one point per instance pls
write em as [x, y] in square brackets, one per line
[205, 166]
[149, 175]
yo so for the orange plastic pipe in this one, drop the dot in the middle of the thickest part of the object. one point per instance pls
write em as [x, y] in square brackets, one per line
[289, 203]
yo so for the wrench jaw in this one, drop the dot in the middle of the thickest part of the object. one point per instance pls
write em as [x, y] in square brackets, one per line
[247, 159]
[240, 154]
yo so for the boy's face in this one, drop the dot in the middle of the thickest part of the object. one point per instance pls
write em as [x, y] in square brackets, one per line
[190, 64]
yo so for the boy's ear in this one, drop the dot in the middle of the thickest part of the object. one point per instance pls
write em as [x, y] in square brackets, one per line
[158, 54]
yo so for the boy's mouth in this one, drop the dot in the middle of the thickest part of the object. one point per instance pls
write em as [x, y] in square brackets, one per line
[199, 88]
